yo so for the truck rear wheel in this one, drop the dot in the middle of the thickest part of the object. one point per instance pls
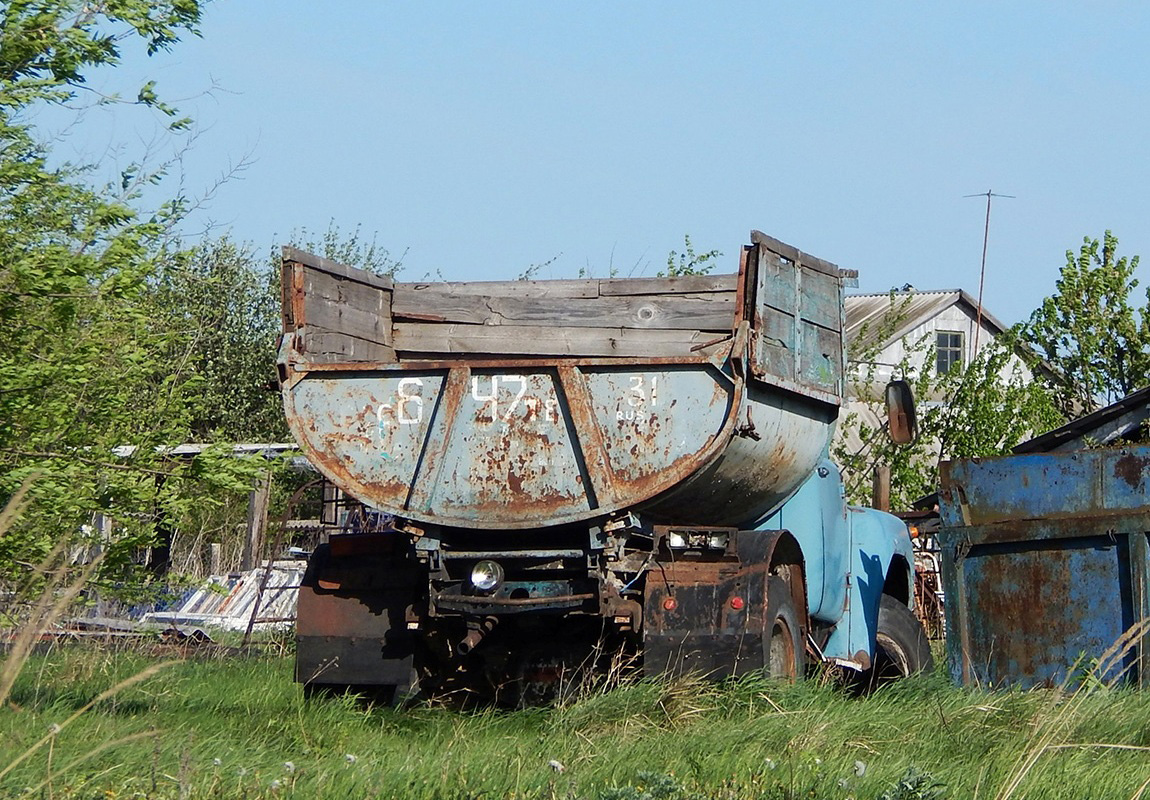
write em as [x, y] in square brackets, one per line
[901, 647]
[785, 657]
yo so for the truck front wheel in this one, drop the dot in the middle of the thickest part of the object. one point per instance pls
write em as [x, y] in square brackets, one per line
[901, 647]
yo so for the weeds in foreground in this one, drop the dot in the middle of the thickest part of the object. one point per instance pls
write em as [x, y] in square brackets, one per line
[1058, 718]
[241, 728]
[60, 587]
[229, 728]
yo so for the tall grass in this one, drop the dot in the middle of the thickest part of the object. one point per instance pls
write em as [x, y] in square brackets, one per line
[55, 587]
[82, 722]
[239, 727]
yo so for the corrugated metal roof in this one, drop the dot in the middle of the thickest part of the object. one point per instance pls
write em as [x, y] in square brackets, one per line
[1130, 412]
[866, 314]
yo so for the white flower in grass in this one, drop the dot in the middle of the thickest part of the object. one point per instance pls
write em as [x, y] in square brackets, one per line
[275, 785]
[843, 783]
[53, 729]
[556, 765]
[289, 766]
[860, 768]
[349, 758]
[217, 762]
[770, 762]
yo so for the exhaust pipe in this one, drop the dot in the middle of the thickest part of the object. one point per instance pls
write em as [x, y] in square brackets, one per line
[477, 629]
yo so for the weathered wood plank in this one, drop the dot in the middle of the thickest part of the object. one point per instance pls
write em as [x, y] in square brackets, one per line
[434, 303]
[589, 287]
[822, 358]
[715, 311]
[793, 254]
[653, 312]
[365, 298]
[774, 347]
[326, 287]
[532, 340]
[342, 318]
[562, 288]
[287, 296]
[330, 346]
[779, 326]
[820, 301]
[315, 262]
[687, 283]
[776, 287]
[772, 359]
[346, 306]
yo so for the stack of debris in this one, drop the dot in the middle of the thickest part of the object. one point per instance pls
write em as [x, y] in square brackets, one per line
[264, 598]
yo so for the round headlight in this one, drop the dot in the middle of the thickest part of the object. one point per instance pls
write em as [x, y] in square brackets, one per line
[486, 575]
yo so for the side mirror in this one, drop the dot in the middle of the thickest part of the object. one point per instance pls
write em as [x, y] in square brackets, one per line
[902, 423]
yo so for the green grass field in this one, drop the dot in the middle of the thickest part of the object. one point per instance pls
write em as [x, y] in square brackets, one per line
[241, 728]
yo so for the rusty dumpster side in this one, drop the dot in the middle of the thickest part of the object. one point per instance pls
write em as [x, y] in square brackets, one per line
[1046, 566]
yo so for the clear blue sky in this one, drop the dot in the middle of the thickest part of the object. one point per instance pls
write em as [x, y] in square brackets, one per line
[484, 137]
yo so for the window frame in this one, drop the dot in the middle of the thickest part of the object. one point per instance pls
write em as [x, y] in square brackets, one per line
[955, 354]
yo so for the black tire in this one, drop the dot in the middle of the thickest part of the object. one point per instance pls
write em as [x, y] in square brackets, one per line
[901, 647]
[784, 656]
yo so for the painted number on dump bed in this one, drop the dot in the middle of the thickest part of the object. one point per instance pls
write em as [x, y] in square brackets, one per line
[503, 397]
[643, 392]
[641, 396]
[406, 408]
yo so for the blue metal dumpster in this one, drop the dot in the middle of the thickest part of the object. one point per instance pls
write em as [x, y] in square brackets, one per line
[1045, 565]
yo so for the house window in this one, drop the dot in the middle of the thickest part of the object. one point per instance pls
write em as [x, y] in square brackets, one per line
[948, 348]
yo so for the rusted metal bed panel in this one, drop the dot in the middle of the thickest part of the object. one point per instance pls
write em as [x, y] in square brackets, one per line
[475, 424]
[1045, 565]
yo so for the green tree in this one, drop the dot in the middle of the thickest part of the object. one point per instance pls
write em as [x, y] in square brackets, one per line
[1095, 341]
[991, 404]
[92, 383]
[689, 262]
[982, 408]
[220, 307]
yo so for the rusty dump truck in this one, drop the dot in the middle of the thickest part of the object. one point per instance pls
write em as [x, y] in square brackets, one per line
[566, 472]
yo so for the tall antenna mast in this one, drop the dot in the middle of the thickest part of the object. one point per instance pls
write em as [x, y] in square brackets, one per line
[989, 193]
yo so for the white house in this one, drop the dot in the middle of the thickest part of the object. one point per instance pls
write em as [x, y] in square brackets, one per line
[888, 328]
[933, 330]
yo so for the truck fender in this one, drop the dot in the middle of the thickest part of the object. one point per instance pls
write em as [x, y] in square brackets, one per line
[350, 629]
[880, 558]
[711, 617]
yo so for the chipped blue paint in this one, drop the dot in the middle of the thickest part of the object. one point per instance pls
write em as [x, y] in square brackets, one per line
[848, 553]
[1045, 565]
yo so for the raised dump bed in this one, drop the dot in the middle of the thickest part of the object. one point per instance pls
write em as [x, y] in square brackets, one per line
[508, 405]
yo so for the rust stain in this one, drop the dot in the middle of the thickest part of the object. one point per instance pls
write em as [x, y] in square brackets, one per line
[1131, 469]
[523, 478]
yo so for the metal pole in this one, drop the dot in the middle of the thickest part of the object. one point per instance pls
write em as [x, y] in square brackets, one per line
[989, 193]
[982, 274]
